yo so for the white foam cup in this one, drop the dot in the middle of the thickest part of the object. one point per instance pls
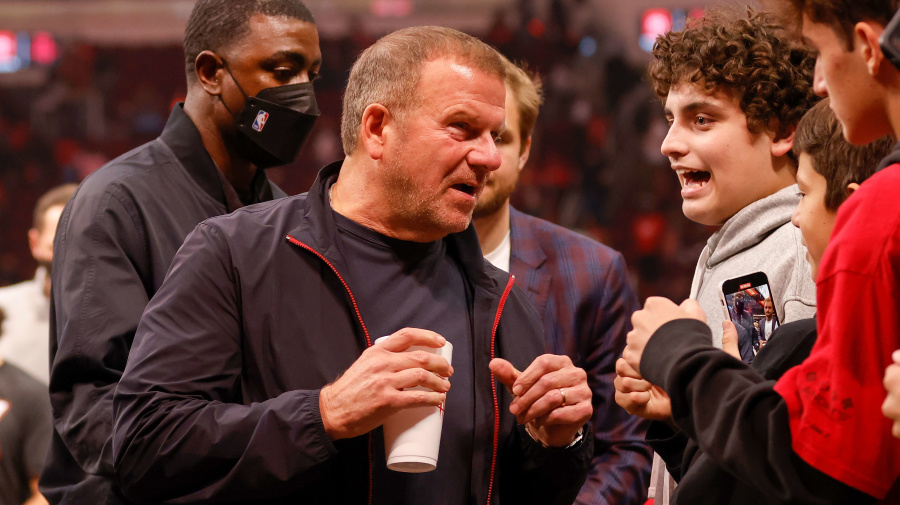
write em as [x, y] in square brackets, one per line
[412, 437]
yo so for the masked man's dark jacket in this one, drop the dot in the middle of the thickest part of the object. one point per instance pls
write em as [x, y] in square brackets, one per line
[115, 241]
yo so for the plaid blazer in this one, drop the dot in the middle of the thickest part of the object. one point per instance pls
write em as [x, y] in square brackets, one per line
[582, 292]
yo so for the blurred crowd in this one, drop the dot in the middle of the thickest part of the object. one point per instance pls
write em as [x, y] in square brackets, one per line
[595, 165]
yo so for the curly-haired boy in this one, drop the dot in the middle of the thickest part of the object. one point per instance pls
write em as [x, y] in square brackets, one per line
[734, 88]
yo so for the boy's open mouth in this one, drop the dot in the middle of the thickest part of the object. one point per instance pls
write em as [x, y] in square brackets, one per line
[693, 179]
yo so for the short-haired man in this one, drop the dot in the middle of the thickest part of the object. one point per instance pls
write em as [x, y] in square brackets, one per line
[733, 442]
[254, 378]
[581, 290]
[249, 106]
[767, 324]
[27, 304]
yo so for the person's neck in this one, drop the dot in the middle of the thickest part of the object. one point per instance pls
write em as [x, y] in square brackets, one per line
[238, 172]
[492, 229]
[768, 318]
[359, 198]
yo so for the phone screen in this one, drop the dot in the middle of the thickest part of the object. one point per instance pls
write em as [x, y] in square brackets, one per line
[747, 302]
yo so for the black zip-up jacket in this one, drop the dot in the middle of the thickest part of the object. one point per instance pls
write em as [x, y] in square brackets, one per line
[115, 241]
[220, 400]
[734, 447]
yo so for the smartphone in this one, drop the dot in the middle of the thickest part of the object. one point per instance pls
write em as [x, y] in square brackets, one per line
[890, 40]
[747, 300]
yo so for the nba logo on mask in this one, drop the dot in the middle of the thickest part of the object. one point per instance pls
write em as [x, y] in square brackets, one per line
[260, 122]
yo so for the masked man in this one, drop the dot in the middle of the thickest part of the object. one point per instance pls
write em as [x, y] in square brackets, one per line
[249, 106]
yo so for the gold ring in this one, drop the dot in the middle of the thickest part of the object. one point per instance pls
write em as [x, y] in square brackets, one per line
[562, 392]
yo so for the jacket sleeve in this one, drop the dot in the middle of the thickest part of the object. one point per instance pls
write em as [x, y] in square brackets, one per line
[183, 434]
[98, 295]
[620, 468]
[544, 476]
[735, 416]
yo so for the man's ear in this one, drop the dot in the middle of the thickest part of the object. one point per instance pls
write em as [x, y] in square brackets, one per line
[784, 142]
[865, 35]
[377, 128]
[526, 152]
[208, 70]
[853, 186]
[34, 237]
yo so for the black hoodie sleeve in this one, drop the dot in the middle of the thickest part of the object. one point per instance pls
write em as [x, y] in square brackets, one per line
[735, 416]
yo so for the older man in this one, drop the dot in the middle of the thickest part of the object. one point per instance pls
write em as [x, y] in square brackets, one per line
[254, 378]
[581, 290]
[249, 106]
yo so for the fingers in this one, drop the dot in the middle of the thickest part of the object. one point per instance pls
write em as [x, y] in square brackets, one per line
[623, 369]
[631, 355]
[634, 402]
[402, 340]
[730, 339]
[505, 372]
[404, 350]
[538, 369]
[553, 390]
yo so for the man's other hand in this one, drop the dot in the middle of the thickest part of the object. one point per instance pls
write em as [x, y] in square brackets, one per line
[552, 397]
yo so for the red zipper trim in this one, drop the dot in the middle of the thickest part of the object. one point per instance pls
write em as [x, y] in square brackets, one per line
[361, 323]
[509, 285]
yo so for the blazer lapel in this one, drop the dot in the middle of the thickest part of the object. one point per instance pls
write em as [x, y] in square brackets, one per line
[526, 261]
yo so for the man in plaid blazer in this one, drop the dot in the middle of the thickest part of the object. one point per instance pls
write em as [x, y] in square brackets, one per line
[581, 290]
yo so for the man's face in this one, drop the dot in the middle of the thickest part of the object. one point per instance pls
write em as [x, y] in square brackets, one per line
[41, 241]
[277, 51]
[844, 76]
[811, 216]
[513, 155]
[768, 308]
[437, 164]
[721, 165]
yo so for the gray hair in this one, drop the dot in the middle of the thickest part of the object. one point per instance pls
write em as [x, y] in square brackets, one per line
[388, 72]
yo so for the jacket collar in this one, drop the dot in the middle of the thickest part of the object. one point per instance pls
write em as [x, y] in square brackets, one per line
[523, 241]
[317, 229]
[185, 141]
[892, 158]
[527, 260]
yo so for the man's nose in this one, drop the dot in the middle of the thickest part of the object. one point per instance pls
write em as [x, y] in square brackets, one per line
[485, 154]
[673, 146]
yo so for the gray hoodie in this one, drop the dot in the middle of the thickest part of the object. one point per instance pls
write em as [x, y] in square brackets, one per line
[759, 238]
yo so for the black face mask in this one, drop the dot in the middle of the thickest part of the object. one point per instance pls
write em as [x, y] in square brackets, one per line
[273, 125]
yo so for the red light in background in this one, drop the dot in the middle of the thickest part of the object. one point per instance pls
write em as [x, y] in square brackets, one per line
[656, 22]
[391, 8]
[8, 47]
[43, 48]
[536, 28]
[696, 13]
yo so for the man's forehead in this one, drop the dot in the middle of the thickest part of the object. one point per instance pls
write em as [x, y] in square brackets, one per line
[686, 95]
